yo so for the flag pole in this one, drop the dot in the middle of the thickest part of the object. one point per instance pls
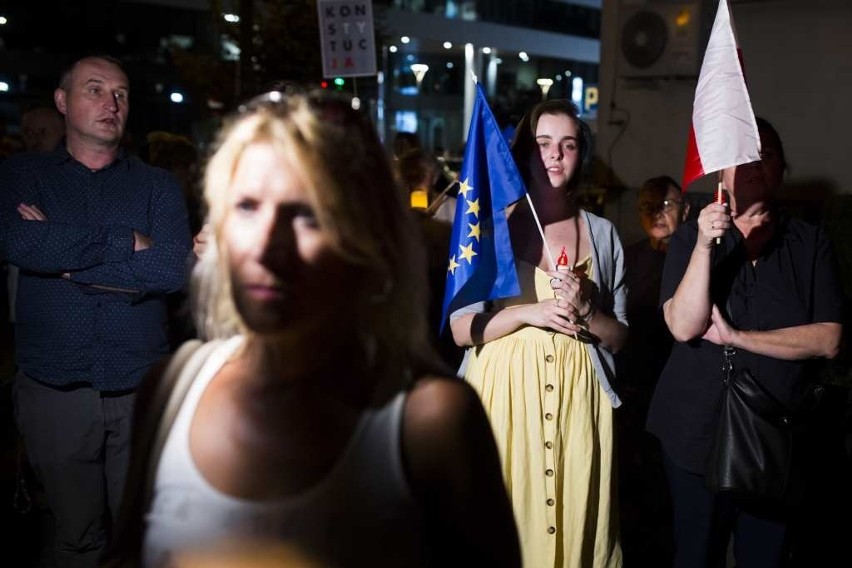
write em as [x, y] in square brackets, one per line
[720, 199]
[546, 247]
[541, 232]
[441, 197]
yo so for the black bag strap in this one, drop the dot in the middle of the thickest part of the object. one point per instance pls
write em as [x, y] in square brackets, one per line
[728, 352]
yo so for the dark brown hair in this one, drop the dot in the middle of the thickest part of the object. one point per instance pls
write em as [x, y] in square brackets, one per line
[523, 144]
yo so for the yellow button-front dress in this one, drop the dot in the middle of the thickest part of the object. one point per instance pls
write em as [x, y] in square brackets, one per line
[553, 426]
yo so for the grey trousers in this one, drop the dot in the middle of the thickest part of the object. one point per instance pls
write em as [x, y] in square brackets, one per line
[78, 443]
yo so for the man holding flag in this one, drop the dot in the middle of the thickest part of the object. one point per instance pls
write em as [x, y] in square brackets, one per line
[540, 339]
[745, 284]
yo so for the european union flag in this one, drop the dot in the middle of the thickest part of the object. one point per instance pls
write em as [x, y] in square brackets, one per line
[481, 264]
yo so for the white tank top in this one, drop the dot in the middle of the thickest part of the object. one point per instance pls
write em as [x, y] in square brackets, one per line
[361, 514]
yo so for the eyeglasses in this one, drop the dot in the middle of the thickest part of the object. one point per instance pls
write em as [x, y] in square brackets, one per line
[651, 207]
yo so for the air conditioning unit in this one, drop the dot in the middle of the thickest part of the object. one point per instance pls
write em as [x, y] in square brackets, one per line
[660, 40]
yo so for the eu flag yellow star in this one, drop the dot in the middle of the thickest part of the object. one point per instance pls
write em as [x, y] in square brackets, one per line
[453, 265]
[472, 207]
[467, 252]
[464, 187]
[474, 231]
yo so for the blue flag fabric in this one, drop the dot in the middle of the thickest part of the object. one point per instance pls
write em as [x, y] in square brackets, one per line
[481, 263]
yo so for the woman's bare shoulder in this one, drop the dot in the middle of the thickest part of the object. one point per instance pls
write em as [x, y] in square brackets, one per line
[433, 395]
[441, 407]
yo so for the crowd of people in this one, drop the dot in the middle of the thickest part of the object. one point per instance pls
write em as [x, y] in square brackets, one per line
[256, 371]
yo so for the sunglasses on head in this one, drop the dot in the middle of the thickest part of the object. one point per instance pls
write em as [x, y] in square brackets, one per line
[332, 106]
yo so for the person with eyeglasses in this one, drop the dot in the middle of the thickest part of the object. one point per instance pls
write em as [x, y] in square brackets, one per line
[643, 495]
[662, 208]
[319, 424]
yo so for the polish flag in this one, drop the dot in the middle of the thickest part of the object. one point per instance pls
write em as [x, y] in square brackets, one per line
[724, 132]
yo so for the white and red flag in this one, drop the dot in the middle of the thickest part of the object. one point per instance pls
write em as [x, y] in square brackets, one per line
[724, 132]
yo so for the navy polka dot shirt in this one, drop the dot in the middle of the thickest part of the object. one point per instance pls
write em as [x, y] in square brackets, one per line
[67, 329]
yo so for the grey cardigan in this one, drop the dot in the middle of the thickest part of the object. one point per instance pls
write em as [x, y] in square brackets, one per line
[608, 274]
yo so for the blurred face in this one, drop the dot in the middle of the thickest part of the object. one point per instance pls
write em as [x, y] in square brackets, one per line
[661, 217]
[557, 138]
[95, 103]
[41, 130]
[283, 272]
[758, 181]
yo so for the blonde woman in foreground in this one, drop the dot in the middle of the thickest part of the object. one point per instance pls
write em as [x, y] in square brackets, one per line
[319, 421]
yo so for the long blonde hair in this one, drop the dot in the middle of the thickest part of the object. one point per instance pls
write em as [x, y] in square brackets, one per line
[352, 189]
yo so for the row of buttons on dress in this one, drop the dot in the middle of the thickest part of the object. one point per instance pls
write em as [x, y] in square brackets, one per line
[548, 444]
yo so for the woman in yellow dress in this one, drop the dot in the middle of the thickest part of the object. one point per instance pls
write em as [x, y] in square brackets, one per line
[542, 362]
